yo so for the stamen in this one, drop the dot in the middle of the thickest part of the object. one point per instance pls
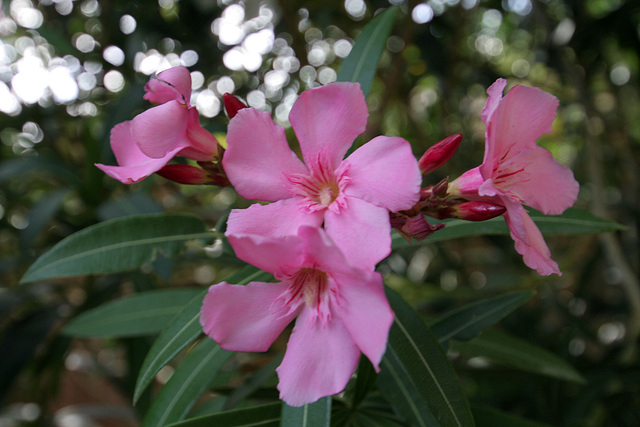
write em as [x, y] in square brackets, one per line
[310, 287]
[322, 187]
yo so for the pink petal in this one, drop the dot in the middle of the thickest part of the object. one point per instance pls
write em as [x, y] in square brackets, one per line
[529, 241]
[544, 184]
[269, 222]
[327, 119]
[202, 146]
[523, 116]
[385, 173]
[361, 231]
[243, 318]
[365, 312]
[133, 164]
[495, 96]
[169, 85]
[258, 157]
[318, 246]
[467, 184]
[161, 129]
[319, 361]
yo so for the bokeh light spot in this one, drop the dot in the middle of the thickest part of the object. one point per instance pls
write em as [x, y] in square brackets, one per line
[113, 81]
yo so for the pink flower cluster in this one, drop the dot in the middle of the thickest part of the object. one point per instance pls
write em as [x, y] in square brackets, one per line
[329, 219]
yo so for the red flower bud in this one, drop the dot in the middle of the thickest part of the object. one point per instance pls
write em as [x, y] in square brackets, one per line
[190, 175]
[438, 154]
[232, 104]
[477, 211]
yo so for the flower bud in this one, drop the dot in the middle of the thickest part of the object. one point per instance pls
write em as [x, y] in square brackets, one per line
[415, 227]
[232, 104]
[191, 175]
[477, 211]
[438, 154]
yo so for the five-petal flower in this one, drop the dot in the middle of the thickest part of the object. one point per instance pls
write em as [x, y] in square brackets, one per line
[342, 311]
[517, 171]
[351, 197]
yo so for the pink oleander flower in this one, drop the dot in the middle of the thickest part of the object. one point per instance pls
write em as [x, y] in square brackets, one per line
[351, 197]
[517, 171]
[147, 143]
[342, 311]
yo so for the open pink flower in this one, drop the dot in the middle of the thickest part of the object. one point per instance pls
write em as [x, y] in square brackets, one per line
[517, 171]
[352, 197]
[147, 143]
[341, 309]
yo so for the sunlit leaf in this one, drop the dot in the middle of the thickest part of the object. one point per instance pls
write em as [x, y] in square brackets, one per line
[315, 414]
[573, 221]
[416, 375]
[516, 353]
[470, 320]
[182, 330]
[142, 314]
[257, 416]
[186, 384]
[117, 245]
[361, 63]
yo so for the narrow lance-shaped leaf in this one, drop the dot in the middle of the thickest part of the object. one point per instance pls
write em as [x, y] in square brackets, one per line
[142, 314]
[486, 417]
[416, 375]
[186, 384]
[361, 63]
[514, 352]
[315, 414]
[257, 416]
[470, 320]
[41, 215]
[182, 330]
[254, 382]
[118, 245]
[572, 221]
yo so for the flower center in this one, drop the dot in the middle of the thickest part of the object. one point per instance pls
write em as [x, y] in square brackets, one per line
[310, 287]
[321, 188]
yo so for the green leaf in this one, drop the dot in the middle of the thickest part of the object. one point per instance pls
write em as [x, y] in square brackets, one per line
[416, 375]
[257, 416]
[131, 203]
[142, 314]
[516, 353]
[315, 414]
[254, 382]
[366, 379]
[489, 417]
[117, 245]
[186, 384]
[41, 215]
[572, 221]
[52, 166]
[182, 330]
[361, 63]
[470, 320]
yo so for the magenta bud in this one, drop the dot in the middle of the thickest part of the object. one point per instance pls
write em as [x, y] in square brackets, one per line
[416, 226]
[439, 154]
[477, 211]
[232, 105]
[186, 174]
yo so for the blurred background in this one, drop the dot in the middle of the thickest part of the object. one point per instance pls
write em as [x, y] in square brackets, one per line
[70, 70]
